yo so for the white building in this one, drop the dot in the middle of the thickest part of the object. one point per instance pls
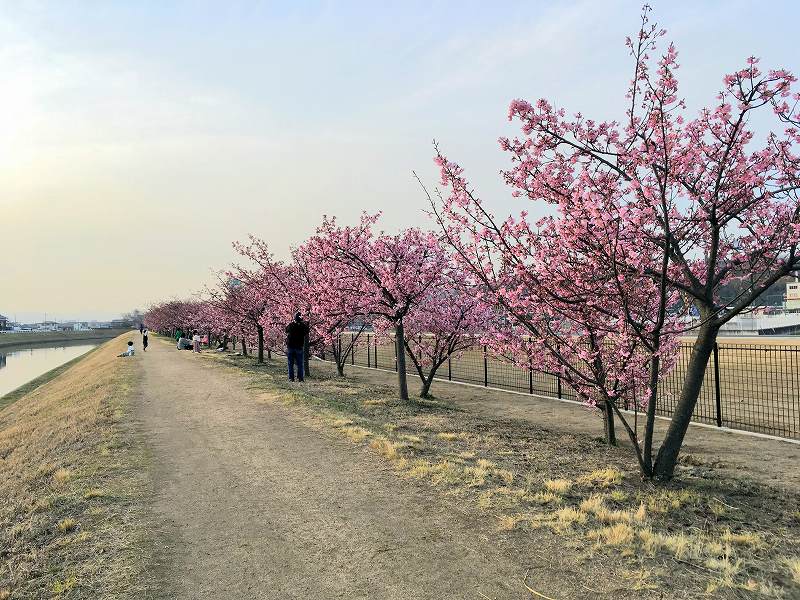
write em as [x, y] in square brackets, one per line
[793, 295]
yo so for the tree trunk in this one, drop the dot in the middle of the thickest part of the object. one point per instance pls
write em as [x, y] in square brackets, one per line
[650, 422]
[608, 424]
[667, 457]
[399, 341]
[244, 347]
[260, 330]
[428, 381]
[426, 387]
[337, 356]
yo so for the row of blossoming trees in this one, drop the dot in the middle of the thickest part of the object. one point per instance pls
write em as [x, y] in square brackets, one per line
[405, 287]
[648, 216]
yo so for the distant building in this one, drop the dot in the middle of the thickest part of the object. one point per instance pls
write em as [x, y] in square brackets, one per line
[793, 295]
[4, 324]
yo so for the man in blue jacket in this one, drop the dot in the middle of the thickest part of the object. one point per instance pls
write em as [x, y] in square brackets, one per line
[296, 332]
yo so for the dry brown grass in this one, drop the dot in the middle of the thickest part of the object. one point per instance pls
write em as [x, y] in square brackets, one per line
[793, 566]
[620, 534]
[558, 486]
[450, 436]
[640, 579]
[569, 515]
[546, 498]
[509, 522]
[356, 433]
[61, 476]
[66, 525]
[743, 538]
[53, 440]
[386, 448]
[603, 478]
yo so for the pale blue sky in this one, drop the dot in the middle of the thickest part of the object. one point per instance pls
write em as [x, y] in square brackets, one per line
[131, 129]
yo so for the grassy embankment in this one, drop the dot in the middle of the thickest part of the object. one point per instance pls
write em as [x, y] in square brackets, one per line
[73, 481]
[50, 337]
[701, 535]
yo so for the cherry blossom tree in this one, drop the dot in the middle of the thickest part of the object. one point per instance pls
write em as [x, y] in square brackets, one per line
[392, 273]
[240, 293]
[449, 319]
[334, 300]
[692, 205]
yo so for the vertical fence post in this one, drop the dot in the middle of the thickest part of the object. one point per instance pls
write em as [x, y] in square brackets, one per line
[530, 373]
[530, 378]
[369, 354]
[352, 348]
[375, 339]
[717, 395]
[485, 369]
[558, 377]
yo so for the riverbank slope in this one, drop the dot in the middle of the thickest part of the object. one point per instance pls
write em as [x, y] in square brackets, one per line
[33, 338]
[72, 471]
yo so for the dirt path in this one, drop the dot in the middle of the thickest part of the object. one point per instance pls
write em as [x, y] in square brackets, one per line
[254, 504]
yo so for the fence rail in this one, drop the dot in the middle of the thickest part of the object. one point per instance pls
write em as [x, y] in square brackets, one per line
[751, 387]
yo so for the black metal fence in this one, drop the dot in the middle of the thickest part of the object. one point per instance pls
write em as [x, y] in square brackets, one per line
[751, 387]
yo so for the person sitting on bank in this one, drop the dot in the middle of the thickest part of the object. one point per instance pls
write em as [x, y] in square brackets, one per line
[128, 352]
[296, 332]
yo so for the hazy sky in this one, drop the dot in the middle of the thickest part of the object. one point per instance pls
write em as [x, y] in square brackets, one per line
[139, 139]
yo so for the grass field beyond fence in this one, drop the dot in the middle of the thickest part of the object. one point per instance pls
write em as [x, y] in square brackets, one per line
[748, 386]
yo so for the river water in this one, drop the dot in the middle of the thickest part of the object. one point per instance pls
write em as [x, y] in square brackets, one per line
[18, 366]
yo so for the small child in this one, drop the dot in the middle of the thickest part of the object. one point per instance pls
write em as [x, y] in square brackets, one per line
[128, 352]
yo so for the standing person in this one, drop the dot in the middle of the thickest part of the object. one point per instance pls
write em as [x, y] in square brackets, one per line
[295, 336]
[141, 328]
[196, 340]
[144, 339]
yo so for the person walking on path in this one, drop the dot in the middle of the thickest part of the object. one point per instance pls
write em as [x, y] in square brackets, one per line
[196, 340]
[144, 339]
[141, 328]
[296, 332]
